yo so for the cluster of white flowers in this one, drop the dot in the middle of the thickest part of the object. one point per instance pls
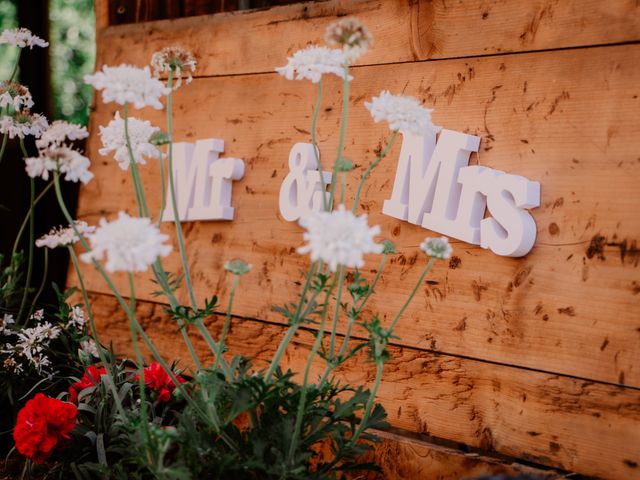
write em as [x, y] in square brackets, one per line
[351, 35]
[89, 348]
[29, 346]
[140, 132]
[131, 244]
[5, 324]
[313, 62]
[61, 132]
[22, 124]
[66, 160]
[174, 61]
[403, 113]
[22, 37]
[15, 95]
[63, 236]
[437, 247]
[126, 84]
[76, 318]
[339, 238]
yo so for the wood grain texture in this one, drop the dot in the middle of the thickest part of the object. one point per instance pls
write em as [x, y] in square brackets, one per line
[404, 31]
[565, 423]
[567, 119]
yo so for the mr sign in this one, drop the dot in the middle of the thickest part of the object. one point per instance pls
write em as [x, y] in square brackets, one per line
[435, 188]
[202, 181]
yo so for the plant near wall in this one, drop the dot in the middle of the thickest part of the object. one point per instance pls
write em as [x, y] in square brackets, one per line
[227, 418]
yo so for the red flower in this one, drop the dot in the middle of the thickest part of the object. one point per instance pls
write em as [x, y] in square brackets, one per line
[90, 378]
[158, 380]
[43, 425]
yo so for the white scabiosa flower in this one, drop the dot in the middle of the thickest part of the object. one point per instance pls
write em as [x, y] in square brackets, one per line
[22, 124]
[130, 244]
[22, 37]
[437, 247]
[313, 62]
[351, 35]
[89, 348]
[404, 114]
[15, 95]
[76, 318]
[126, 84]
[339, 238]
[63, 236]
[140, 133]
[61, 132]
[65, 160]
[174, 61]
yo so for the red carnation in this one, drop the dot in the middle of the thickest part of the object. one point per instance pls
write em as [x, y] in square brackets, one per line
[158, 380]
[90, 378]
[43, 425]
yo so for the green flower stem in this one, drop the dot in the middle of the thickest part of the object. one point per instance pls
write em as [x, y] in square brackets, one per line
[426, 270]
[42, 283]
[135, 174]
[343, 127]
[123, 304]
[27, 285]
[138, 352]
[373, 164]
[316, 151]
[370, 403]
[336, 313]
[163, 187]
[5, 137]
[94, 331]
[15, 66]
[294, 327]
[303, 393]
[27, 216]
[227, 319]
[174, 203]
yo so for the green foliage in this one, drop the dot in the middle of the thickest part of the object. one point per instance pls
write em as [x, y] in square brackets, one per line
[9, 54]
[72, 56]
[11, 282]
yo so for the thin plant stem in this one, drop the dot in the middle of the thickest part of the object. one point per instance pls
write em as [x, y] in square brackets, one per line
[138, 353]
[369, 405]
[316, 151]
[303, 393]
[27, 285]
[94, 331]
[42, 283]
[5, 137]
[15, 66]
[174, 204]
[27, 216]
[163, 187]
[426, 270]
[135, 174]
[373, 164]
[227, 319]
[336, 313]
[343, 127]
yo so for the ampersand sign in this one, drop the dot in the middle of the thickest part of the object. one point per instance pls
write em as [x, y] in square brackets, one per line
[301, 191]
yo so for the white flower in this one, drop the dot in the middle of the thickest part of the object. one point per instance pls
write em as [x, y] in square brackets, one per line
[13, 366]
[63, 236]
[7, 319]
[89, 348]
[437, 247]
[72, 163]
[351, 35]
[114, 140]
[59, 132]
[127, 84]
[404, 114]
[131, 244]
[22, 124]
[22, 37]
[33, 341]
[15, 96]
[339, 238]
[38, 315]
[313, 62]
[76, 318]
[174, 61]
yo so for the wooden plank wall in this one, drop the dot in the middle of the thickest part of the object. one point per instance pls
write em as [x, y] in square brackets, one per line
[502, 364]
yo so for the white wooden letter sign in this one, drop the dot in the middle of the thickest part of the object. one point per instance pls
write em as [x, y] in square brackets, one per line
[202, 181]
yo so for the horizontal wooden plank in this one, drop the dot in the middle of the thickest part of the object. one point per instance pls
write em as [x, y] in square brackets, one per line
[567, 119]
[257, 41]
[574, 425]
